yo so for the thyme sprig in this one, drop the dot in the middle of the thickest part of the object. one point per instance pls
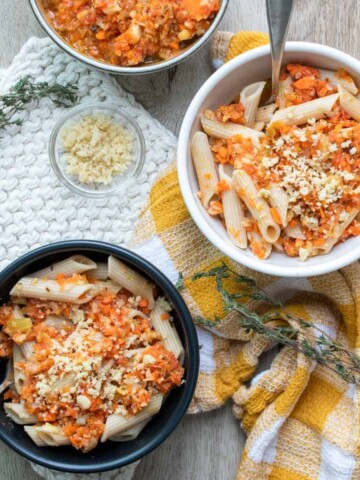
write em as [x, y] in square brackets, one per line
[271, 320]
[26, 91]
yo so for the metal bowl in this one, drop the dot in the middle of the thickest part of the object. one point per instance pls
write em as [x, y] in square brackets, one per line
[118, 70]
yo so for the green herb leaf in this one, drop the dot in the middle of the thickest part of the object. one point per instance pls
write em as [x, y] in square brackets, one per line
[26, 91]
[278, 326]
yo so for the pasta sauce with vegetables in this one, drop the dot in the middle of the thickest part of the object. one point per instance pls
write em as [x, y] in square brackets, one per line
[285, 177]
[93, 352]
[130, 32]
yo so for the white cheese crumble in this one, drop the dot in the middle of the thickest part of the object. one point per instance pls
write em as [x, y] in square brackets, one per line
[303, 254]
[96, 148]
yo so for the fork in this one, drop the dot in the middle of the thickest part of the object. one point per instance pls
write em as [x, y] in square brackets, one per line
[278, 14]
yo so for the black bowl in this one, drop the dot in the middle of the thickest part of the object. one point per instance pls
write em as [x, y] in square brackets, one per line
[108, 455]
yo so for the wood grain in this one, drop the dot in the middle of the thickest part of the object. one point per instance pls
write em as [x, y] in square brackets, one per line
[206, 446]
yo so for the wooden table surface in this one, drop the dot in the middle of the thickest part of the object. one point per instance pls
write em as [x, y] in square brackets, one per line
[207, 446]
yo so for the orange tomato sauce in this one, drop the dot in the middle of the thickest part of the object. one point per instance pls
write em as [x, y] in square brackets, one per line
[129, 32]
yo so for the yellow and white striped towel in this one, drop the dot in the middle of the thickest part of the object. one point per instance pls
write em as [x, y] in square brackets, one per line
[302, 419]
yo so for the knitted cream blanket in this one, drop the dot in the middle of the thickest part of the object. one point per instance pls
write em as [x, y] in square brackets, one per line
[35, 207]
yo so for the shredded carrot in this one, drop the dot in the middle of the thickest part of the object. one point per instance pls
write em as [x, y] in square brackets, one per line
[215, 208]
[319, 242]
[299, 71]
[305, 83]
[101, 35]
[234, 113]
[143, 303]
[275, 215]
[222, 186]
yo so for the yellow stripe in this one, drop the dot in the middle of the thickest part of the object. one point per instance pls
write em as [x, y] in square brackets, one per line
[351, 322]
[228, 379]
[248, 421]
[166, 203]
[243, 41]
[203, 291]
[259, 399]
[316, 403]
[288, 399]
[279, 473]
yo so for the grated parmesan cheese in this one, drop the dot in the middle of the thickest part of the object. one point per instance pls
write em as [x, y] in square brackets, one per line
[96, 149]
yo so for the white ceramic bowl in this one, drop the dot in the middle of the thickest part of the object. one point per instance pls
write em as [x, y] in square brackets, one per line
[220, 89]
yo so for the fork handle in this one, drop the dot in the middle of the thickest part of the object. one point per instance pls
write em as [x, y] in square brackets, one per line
[278, 16]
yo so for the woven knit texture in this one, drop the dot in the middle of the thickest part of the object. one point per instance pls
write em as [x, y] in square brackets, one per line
[227, 45]
[35, 207]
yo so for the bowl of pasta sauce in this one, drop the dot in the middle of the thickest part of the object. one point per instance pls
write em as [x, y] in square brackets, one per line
[104, 354]
[129, 37]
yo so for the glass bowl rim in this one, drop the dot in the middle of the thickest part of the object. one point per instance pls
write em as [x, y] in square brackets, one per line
[68, 115]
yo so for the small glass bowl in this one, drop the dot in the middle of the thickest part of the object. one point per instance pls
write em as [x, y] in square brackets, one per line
[119, 182]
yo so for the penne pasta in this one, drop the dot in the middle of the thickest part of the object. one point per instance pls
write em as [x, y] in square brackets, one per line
[52, 290]
[299, 114]
[19, 374]
[285, 89]
[68, 267]
[35, 436]
[250, 99]
[108, 285]
[160, 320]
[131, 280]
[51, 435]
[258, 245]
[205, 167]
[131, 433]
[279, 200]
[91, 445]
[259, 126]
[27, 349]
[18, 414]
[349, 103]
[257, 206]
[118, 423]
[233, 212]
[339, 78]
[217, 129]
[295, 232]
[335, 237]
[99, 273]
[59, 323]
[264, 114]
